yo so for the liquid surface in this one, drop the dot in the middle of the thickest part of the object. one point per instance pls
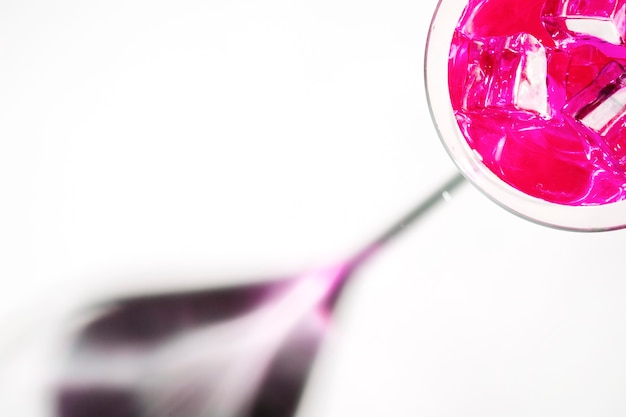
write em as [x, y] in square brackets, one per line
[539, 92]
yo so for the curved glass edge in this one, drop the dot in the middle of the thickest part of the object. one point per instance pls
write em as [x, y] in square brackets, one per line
[573, 218]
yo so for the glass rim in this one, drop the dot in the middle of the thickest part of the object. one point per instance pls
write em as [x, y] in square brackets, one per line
[610, 216]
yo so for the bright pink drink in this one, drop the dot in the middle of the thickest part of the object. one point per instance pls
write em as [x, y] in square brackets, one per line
[539, 92]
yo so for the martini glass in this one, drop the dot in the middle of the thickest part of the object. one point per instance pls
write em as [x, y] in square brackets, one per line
[218, 352]
[558, 35]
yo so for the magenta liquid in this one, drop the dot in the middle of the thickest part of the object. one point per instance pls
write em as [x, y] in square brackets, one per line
[539, 92]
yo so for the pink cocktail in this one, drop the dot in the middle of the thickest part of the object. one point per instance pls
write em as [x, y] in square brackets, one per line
[538, 90]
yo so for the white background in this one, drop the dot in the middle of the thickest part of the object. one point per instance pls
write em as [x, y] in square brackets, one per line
[163, 145]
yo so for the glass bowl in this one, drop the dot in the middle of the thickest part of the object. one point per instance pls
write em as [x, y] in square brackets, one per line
[579, 218]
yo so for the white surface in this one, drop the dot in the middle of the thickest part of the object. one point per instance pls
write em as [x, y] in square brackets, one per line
[173, 144]
[478, 313]
[150, 139]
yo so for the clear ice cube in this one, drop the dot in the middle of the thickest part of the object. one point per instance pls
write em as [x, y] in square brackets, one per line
[601, 108]
[602, 103]
[605, 20]
[506, 72]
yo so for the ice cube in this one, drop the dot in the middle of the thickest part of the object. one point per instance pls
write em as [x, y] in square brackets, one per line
[601, 108]
[602, 103]
[605, 20]
[506, 72]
